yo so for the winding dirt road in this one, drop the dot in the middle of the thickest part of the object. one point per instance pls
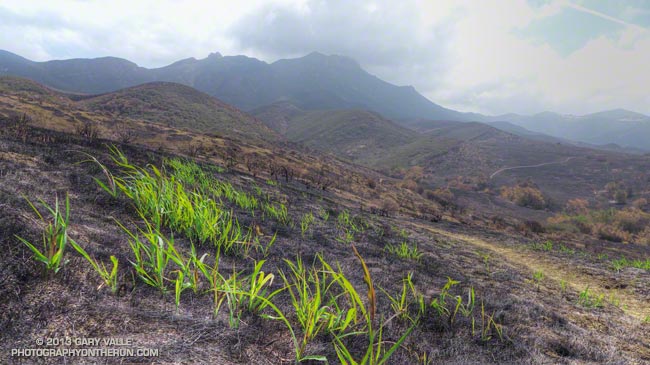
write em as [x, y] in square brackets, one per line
[530, 166]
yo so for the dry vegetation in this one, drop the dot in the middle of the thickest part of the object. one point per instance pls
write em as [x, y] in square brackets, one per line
[524, 194]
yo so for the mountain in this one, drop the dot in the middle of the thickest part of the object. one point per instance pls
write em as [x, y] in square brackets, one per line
[91, 76]
[312, 82]
[316, 82]
[621, 127]
[369, 139]
[523, 132]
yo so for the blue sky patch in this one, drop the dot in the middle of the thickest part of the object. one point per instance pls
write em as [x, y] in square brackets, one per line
[569, 30]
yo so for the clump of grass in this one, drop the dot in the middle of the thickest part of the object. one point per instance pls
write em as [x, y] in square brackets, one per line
[187, 274]
[618, 265]
[538, 276]
[214, 278]
[55, 235]
[278, 212]
[445, 309]
[347, 237]
[623, 262]
[111, 186]
[257, 285]
[347, 222]
[544, 246]
[324, 214]
[567, 250]
[314, 299]
[405, 250]
[408, 297]
[151, 250]
[240, 292]
[448, 307]
[343, 219]
[489, 326]
[305, 222]
[439, 304]
[156, 258]
[325, 301]
[614, 300]
[185, 201]
[376, 351]
[264, 249]
[589, 300]
[486, 261]
[233, 291]
[109, 277]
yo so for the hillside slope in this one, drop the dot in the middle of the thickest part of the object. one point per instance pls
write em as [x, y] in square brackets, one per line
[352, 134]
[380, 143]
[181, 106]
[169, 104]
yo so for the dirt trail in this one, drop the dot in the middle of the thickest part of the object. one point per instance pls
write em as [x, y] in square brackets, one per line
[530, 166]
[537, 261]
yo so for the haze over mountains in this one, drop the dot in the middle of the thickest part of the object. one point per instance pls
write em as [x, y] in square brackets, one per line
[315, 81]
[318, 82]
[621, 127]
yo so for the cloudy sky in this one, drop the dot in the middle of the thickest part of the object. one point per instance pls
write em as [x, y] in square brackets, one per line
[494, 56]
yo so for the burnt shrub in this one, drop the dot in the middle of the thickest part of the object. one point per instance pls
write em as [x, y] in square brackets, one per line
[524, 196]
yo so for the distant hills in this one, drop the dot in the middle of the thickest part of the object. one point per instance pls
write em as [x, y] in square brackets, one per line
[620, 126]
[91, 76]
[315, 81]
[321, 82]
[465, 155]
[368, 138]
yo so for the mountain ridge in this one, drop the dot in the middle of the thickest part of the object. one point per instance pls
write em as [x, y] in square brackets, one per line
[242, 81]
[314, 82]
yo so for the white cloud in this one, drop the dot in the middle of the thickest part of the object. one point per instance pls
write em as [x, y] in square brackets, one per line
[464, 54]
[496, 71]
[148, 32]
